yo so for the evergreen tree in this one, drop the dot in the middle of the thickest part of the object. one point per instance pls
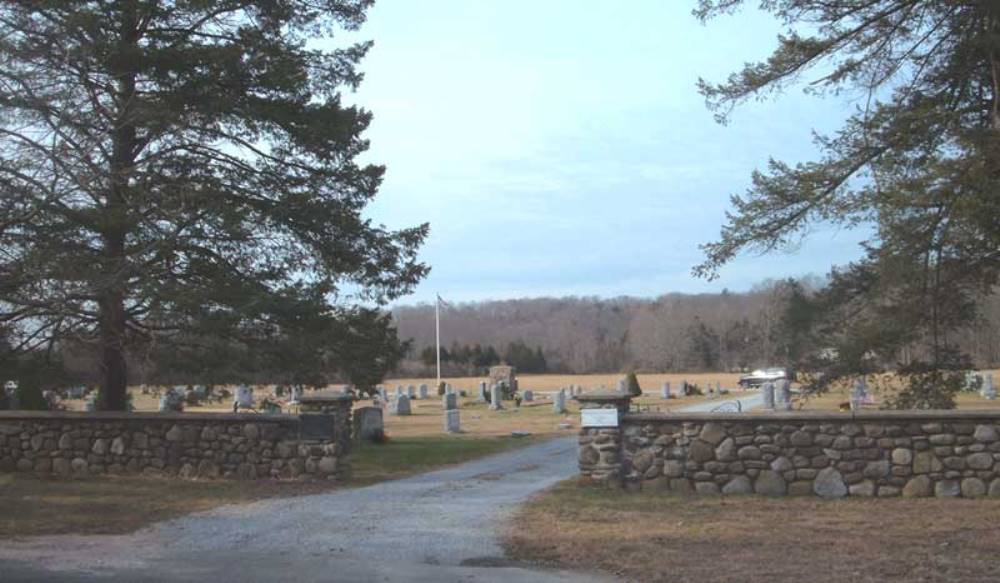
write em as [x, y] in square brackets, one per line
[920, 159]
[180, 171]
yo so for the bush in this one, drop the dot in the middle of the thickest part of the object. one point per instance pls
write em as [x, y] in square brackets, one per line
[632, 385]
[441, 389]
[30, 398]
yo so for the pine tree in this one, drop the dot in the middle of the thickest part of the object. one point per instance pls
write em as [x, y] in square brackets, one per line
[920, 160]
[182, 171]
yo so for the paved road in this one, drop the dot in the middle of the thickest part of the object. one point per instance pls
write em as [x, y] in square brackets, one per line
[436, 527]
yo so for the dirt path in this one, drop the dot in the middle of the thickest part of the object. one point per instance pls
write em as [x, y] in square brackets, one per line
[436, 527]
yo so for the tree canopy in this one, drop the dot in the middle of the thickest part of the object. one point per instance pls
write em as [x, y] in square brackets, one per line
[919, 160]
[179, 176]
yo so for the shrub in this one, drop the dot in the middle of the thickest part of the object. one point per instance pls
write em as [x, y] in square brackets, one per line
[441, 389]
[632, 385]
[29, 396]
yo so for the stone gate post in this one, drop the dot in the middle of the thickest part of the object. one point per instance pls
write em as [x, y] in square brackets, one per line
[600, 442]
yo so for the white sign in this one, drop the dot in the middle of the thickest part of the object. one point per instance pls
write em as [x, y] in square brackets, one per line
[599, 417]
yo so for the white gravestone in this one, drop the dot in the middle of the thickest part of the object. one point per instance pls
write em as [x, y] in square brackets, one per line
[401, 406]
[451, 421]
[423, 391]
[784, 396]
[559, 403]
[665, 391]
[449, 401]
[768, 392]
[858, 394]
[496, 394]
[411, 391]
[621, 385]
[243, 399]
[989, 391]
[529, 396]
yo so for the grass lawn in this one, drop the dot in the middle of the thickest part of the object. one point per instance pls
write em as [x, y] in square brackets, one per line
[657, 537]
[31, 505]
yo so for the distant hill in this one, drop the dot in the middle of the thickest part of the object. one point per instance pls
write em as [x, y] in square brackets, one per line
[674, 332]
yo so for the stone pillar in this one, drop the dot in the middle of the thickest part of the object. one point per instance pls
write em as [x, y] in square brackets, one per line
[337, 409]
[768, 392]
[600, 448]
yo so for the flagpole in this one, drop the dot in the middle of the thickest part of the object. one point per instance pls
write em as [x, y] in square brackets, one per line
[437, 331]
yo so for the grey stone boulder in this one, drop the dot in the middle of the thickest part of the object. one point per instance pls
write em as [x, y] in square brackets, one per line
[829, 483]
[947, 489]
[737, 486]
[770, 483]
[986, 433]
[973, 488]
[713, 433]
[726, 452]
[918, 487]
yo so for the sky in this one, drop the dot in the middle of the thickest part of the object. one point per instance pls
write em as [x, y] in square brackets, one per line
[560, 147]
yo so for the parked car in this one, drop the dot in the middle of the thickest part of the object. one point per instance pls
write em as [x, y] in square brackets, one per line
[765, 375]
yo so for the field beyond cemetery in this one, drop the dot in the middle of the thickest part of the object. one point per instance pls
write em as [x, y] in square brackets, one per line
[747, 539]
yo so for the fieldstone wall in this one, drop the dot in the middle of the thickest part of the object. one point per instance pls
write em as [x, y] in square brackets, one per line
[185, 445]
[868, 453]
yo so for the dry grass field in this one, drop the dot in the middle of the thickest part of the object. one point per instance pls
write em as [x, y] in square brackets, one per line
[832, 400]
[751, 539]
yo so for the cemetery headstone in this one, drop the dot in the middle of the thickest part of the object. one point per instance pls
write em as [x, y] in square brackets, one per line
[768, 392]
[503, 375]
[621, 385]
[559, 403]
[529, 396]
[482, 392]
[449, 401]
[243, 398]
[858, 393]
[784, 397]
[382, 394]
[369, 423]
[400, 406]
[399, 391]
[989, 391]
[665, 391]
[451, 421]
[423, 391]
[496, 396]
[411, 391]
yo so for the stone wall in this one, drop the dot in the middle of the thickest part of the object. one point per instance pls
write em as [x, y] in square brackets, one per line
[868, 453]
[186, 445]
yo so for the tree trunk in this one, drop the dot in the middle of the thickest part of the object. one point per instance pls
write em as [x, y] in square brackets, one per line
[114, 375]
[111, 301]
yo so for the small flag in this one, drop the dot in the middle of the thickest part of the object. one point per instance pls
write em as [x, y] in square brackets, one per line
[441, 302]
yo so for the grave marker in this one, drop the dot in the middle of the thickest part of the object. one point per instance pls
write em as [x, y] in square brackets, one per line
[559, 402]
[451, 421]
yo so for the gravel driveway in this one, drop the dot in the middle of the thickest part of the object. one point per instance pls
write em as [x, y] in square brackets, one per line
[436, 527]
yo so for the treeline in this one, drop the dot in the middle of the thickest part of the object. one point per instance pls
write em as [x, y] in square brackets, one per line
[764, 326]
[473, 359]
